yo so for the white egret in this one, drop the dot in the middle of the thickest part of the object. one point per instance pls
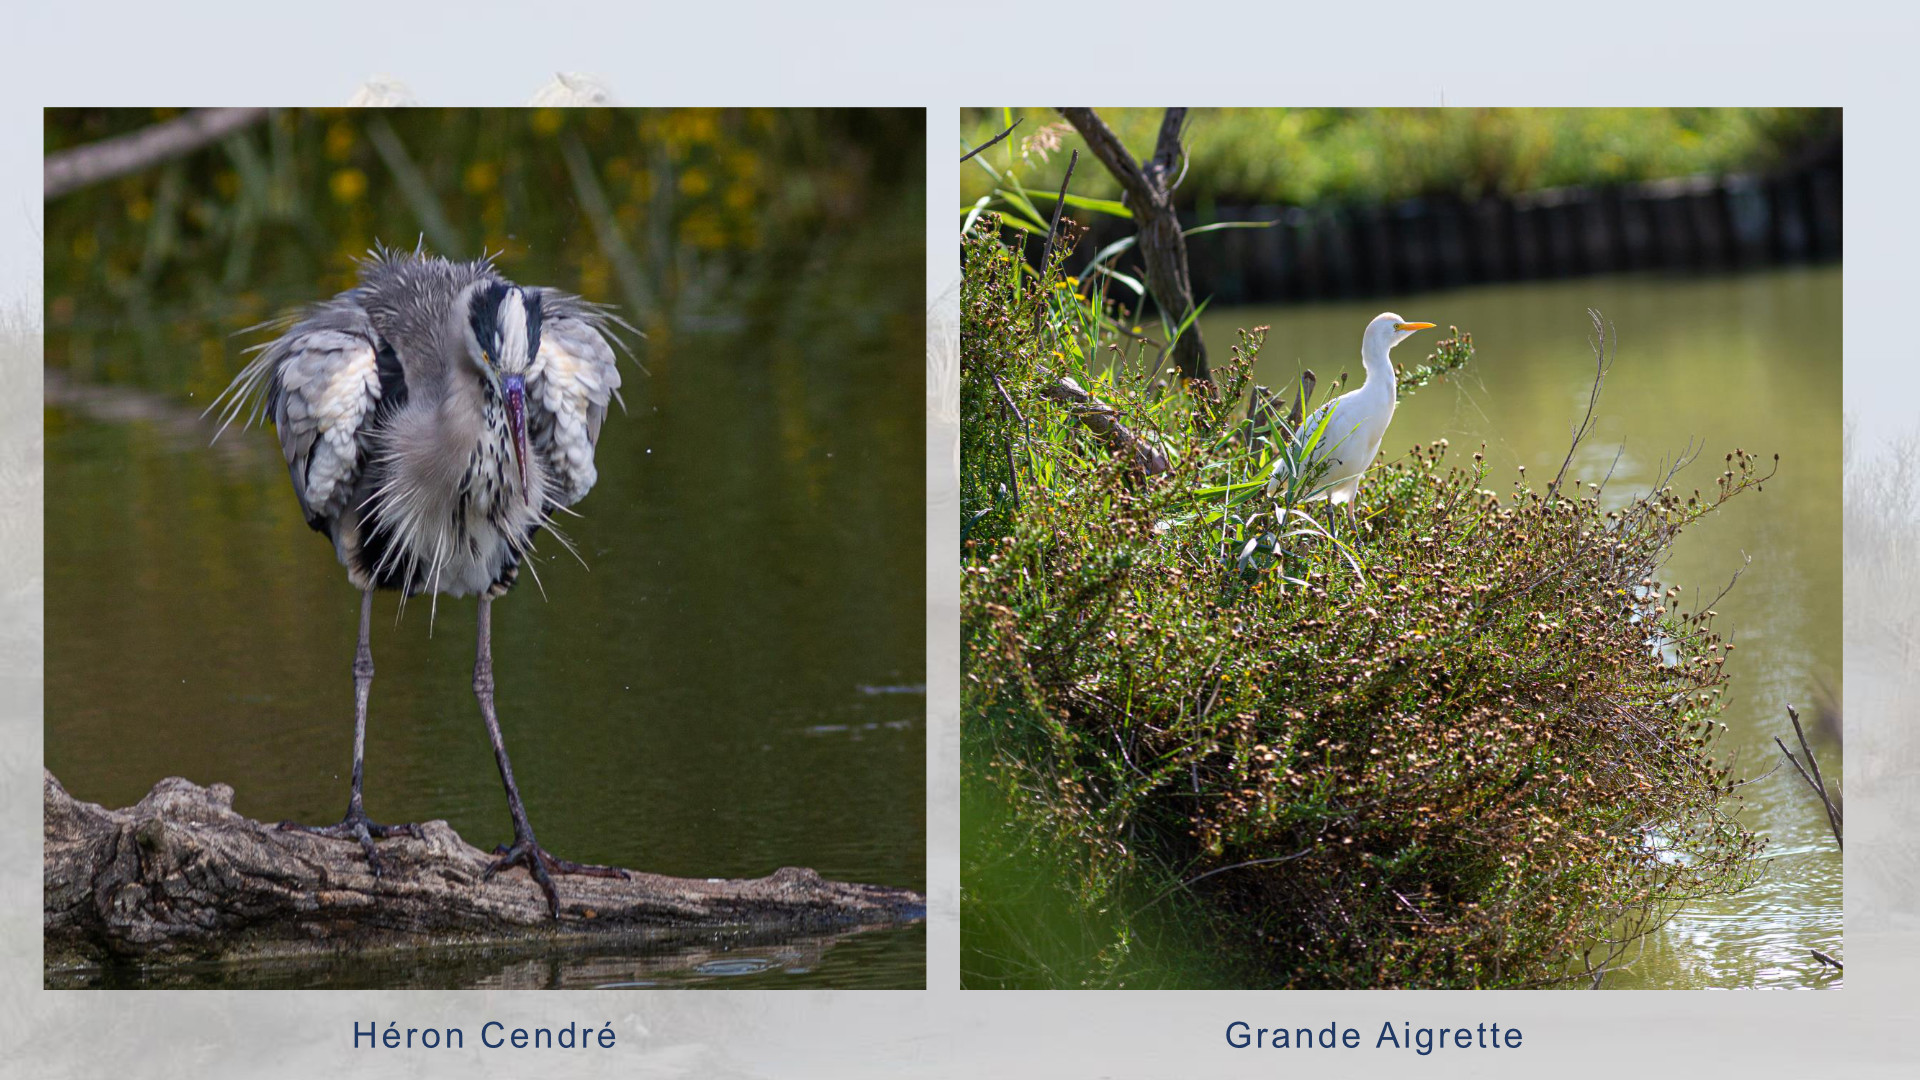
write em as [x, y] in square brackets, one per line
[1355, 421]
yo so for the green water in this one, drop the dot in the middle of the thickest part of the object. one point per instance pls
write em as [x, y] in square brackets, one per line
[1749, 361]
[733, 683]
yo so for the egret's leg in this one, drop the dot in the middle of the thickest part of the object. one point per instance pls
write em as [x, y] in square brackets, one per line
[356, 825]
[1349, 494]
[524, 851]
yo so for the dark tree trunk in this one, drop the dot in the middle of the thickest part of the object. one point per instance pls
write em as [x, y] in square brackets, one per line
[1147, 191]
[182, 876]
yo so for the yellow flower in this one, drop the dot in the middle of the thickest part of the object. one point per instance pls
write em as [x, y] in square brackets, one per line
[482, 176]
[348, 184]
[694, 183]
[339, 140]
[547, 121]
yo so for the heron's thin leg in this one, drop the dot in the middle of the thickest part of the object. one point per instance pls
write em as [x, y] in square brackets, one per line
[356, 824]
[483, 689]
[524, 851]
[362, 690]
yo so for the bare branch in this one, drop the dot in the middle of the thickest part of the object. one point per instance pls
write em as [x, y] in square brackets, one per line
[1221, 870]
[1147, 459]
[70, 170]
[1013, 415]
[1604, 347]
[1250, 862]
[993, 140]
[1814, 779]
[1107, 147]
[1053, 227]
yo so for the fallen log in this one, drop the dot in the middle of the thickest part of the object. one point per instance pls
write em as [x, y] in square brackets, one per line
[180, 876]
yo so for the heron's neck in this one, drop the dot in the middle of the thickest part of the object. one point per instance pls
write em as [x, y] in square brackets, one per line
[472, 426]
[466, 408]
[476, 420]
[1379, 367]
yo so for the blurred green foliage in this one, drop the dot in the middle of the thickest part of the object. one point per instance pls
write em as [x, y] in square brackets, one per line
[669, 214]
[1302, 156]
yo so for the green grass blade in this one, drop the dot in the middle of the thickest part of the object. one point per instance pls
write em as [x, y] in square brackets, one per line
[1111, 207]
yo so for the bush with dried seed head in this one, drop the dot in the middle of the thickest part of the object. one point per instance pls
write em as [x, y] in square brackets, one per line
[1465, 743]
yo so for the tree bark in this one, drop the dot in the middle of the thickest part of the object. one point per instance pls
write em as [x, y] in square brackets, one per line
[181, 876]
[1146, 189]
[1146, 458]
[82, 166]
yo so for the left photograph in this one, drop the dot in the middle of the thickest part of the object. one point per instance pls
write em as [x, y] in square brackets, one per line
[485, 548]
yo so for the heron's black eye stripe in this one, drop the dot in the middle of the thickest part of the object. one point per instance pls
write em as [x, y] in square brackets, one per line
[534, 316]
[483, 312]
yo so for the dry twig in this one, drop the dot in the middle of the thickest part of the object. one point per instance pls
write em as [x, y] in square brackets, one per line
[1605, 346]
[993, 140]
[1814, 779]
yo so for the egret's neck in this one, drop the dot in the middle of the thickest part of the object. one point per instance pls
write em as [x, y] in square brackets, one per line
[1379, 366]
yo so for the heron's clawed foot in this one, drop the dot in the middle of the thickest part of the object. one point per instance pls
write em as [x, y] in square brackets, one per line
[525, 852]
[357, 826]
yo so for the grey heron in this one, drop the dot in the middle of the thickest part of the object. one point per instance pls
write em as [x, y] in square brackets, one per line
[432, 418]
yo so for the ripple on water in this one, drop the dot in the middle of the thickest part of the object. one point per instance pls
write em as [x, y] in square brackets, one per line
[734, 966]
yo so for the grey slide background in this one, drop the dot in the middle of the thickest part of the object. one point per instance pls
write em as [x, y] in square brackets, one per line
[483, 53]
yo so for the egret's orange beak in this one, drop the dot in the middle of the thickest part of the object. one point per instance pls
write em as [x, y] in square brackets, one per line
[1413, 326]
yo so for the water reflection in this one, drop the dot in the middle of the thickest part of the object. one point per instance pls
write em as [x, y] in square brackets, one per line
[731, 960]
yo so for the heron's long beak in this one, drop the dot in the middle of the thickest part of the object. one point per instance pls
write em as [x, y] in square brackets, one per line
[515, 387]
[1413, 326]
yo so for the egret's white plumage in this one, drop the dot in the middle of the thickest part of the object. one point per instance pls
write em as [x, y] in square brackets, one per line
[1355, 421]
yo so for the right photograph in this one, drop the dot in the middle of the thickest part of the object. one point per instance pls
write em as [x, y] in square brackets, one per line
[1401, 548]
